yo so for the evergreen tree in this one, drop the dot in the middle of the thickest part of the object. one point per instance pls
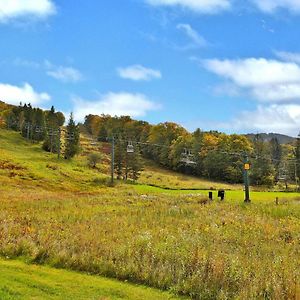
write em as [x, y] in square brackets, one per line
[54, 120]
[134, 165]
[276, 155]
[73, 139]
[120, 150]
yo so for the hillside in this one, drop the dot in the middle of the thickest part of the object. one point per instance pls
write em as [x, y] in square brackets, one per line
[28, 164]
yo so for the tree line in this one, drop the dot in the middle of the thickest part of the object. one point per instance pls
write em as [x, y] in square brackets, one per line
[38, 125]
[210, 154]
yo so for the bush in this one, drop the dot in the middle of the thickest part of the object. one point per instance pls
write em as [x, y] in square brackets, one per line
[94, 159]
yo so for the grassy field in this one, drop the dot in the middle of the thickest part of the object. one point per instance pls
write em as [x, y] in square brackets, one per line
[21, 281]
[171, 240]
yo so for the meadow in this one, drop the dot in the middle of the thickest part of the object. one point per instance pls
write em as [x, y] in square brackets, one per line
[172, 240]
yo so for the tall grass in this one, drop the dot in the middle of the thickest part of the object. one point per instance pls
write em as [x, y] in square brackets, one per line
[207, 251]
[57, 212]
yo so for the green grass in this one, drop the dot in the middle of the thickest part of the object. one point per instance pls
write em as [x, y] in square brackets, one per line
[168, 239]
[21, 281]
[30, 165]
[158, 177]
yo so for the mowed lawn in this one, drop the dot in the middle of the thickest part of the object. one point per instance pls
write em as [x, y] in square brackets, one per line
[19, 280]
[58, 215]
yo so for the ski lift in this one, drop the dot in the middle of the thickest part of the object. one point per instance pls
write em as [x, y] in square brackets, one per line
[70, 137]
[52, 132]
[282, 176]
[130, 148]
[93, 143]
[187, 157]
[39, 129]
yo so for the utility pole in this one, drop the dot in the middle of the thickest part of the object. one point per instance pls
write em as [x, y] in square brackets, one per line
[112, 159]
[246, 178]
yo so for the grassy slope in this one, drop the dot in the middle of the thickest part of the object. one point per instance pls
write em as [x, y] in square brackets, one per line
[21, 281]
[156, 176]
[30, 165]
[59, 216]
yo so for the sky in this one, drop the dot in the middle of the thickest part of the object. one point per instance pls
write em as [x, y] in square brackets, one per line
[227, 65]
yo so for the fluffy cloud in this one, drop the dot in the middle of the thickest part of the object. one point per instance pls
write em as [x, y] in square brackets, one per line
[15, 94]
[193, 35]
[266, 80]
[199, 6]
[120, 104]
[62, 73]
[12, 9]
[138, 72]
[270, 6]
[272, 118]
[65, 74]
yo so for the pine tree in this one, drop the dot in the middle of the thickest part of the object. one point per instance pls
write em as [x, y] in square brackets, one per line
[276, 155]
[54, 120]
[72, 139]
[134, 164]
[119, 157]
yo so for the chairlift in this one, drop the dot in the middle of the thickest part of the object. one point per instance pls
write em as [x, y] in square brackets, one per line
[70, 137]
[187, 157]
[39, 129]
[130, 148]
[282, 176]
[93, 143]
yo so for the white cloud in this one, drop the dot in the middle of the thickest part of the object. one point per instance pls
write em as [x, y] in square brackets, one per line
[266, 80]
[288, 56]
[273, 118]
[120, 104]
[138, 72]
[284, 119]
[198, 6]
[64, 74]
[14, 94]
[270, 6]
[13, 9]
[196, 38]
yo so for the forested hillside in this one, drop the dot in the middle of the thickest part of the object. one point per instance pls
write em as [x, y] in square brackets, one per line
[212, 155]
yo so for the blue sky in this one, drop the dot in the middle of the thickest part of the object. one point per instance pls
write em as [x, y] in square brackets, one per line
[228, 65]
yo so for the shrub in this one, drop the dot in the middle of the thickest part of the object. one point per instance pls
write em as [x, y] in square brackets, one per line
[94, 159]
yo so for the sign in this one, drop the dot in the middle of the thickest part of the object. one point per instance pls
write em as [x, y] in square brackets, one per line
[247, 166]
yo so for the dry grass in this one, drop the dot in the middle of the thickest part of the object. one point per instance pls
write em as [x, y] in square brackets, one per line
[170, 240]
